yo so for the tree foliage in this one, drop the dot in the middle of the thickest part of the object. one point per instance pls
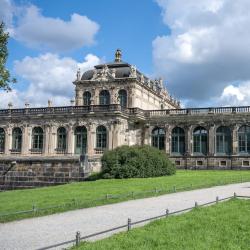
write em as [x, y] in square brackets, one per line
[5, 78]
[136, 161]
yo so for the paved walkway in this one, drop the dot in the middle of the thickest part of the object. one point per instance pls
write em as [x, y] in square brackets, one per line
[40, 232]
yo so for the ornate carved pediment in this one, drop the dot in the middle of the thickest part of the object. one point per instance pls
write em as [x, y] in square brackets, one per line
[103, 75]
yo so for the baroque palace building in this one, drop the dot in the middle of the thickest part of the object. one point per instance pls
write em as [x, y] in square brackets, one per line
[115, 104]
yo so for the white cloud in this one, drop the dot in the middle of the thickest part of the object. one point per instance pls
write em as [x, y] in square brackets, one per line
[6, 14]
[38, 31]
[206, 50]
[235, 95]
[50, 78]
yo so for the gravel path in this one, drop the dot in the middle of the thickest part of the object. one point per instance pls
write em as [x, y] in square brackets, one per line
[40, 232]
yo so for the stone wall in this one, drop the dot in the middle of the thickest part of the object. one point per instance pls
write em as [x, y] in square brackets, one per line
[41, 172]
[210, 163]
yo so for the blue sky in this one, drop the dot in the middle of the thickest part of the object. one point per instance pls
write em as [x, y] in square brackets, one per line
[128, 25]
[199, 48]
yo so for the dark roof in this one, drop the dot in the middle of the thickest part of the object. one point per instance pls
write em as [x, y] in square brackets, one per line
[122, 69]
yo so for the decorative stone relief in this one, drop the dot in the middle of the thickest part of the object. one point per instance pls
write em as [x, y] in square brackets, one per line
[132, 71]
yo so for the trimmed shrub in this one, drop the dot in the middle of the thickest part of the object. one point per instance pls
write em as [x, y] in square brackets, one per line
[136, 162]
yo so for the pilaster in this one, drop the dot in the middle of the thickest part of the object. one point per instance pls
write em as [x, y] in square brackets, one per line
[211, 140]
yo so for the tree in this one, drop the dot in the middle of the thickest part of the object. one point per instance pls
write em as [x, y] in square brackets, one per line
[136, 162]
[5, 78]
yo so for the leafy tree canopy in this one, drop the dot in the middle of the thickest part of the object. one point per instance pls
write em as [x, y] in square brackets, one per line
[5, 78]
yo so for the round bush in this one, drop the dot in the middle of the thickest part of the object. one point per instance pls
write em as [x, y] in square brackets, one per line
[136, 162]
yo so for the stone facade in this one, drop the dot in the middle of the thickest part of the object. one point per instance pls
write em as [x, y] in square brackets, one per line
[116, 105]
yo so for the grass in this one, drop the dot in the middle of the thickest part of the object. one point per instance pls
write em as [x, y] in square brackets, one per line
[89, 194]
[223, 226]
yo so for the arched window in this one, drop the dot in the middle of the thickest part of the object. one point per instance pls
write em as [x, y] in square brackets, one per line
[244, 139]
[37, 139]
[61, 139]
[101, 137]
[158, 138]
[17, 139]
[200, 141]
[87, 98]
[2, 140]
[178, 141]
[123, 98]
[80, 140]
[104, 97]
[223, 140]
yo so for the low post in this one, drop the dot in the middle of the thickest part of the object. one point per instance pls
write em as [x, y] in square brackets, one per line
[133, 195]
[129, 224]
[217, 199]
[107, 196]
[34, 208]
[78, 238]
[174, 189]
[155, 190]
[167, 212]
[196, 204]
[235, 195]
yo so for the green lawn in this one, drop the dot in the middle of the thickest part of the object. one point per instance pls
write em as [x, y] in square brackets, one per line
[88, 194]
[223, 226]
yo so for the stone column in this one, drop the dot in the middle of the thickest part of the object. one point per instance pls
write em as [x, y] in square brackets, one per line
[234, 135]
[211, 141]
[110, 136]
[188, 140]
[26, 138]
[8, 140]
[52, 145]
[147, 135]
[90, 140]
[168, 140]
[70, 141]
[80, 97]
[47, 139]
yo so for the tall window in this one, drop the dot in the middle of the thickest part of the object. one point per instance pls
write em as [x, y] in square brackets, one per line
[101, 137]
[104, 97]
[61, 139]
[158, 138]
[200, 141]
[17, 139]
[178, 141]
[244, 139]
[223, 140]
[80, 140]
[37, 138]
[2, 140]
[86, 98]
[123, 98]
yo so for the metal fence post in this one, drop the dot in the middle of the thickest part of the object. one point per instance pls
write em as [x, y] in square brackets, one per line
[167, 212]
[217, 199]
[235, 195]
[129, 224]
[34, 208]
[174, 188]
[107, 196]
[78, 238]
[133, 195]
[196, 204]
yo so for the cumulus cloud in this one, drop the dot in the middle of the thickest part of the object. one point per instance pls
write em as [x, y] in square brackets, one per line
[38, 31]
[50, 78]
[235, 95]
[207, 50]
[7, 11]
